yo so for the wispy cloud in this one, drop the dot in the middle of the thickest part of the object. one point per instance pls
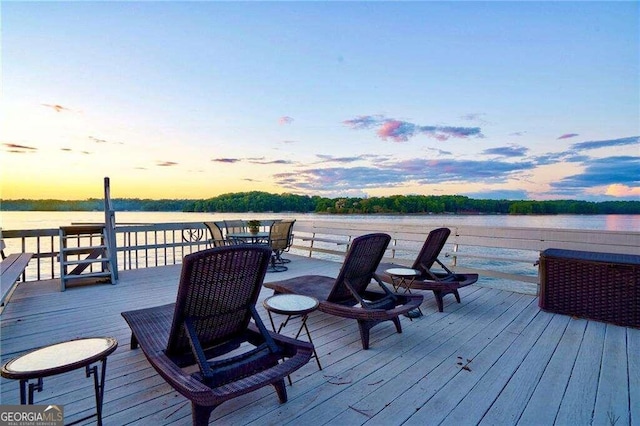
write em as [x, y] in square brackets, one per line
[620, 170]
[575, 152]
[440, 151]
[56, 107]
[568, 135]
[15, 148]
[397, 173]
[166, 163]
[474, 116]
[364, 121]
[402, 131]
[507, 151]
[71, 150]
[101, 141]
[606, 143]
[285, 120]
[262, 161]
[331, 159]
[226, 160]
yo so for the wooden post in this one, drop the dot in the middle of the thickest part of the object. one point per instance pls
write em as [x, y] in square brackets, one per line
[110, 228]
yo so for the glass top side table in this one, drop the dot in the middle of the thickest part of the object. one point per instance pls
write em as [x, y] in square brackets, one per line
[404, 277]
[61, 358]
[292, 305]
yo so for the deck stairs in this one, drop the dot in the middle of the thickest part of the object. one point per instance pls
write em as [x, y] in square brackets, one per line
[85, 256]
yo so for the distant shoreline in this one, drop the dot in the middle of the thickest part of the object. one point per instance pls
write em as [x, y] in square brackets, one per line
[263, 202]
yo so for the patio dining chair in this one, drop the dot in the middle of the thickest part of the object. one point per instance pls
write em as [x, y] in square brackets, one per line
[217, 239]
[280, 239]
[211, 317]
[347, 295]
[234, 227]
[441, 283]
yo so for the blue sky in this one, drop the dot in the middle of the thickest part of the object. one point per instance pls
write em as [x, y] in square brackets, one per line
[517, 100]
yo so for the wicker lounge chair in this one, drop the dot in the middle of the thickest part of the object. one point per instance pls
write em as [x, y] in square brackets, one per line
[347, 295]
[216, 300]
[441, 283]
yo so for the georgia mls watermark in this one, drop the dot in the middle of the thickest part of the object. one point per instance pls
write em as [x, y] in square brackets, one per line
[31, 415]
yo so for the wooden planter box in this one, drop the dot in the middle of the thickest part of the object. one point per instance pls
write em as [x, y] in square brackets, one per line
[599, 286]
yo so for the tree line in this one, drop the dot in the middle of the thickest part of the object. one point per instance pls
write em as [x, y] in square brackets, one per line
[256, 201]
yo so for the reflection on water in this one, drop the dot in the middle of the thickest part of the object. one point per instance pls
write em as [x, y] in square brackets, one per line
[45, 220]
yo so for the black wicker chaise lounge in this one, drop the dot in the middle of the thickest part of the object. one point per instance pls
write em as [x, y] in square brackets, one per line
[347, 295]
[216, 300]
[441, 283]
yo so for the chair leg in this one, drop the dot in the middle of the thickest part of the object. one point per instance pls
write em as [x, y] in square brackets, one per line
[281, 390]
[396, 321]
[438, 295]
[200, 414]
[364, 326]
[134, 342]
[457, 295]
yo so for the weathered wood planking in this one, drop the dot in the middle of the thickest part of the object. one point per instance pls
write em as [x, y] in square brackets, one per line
[524, 366]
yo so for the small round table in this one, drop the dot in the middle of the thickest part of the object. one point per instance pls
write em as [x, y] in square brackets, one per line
[62, 358]
[292, 305]
[404, 277]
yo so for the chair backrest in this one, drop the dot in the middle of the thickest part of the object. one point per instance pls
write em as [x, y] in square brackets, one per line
[233, 226]
[280, 234]
[359, 266]
[2, 247]
[217, 239]
[431, 249]
[218, 289]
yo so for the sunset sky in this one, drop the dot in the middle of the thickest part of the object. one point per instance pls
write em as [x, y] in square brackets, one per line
[515, 100]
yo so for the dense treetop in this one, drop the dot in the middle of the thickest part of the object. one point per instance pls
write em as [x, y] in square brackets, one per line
[256, 201]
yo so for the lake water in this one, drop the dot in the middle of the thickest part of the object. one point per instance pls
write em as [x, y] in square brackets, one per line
[52, 220]
[45, 220]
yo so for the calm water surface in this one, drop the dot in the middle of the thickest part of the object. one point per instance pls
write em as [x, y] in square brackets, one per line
[45, 220]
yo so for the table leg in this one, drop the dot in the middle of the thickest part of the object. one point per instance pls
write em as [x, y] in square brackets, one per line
[402, 282]
[98, 386]
[273, 326]
[32, 388]
[304, 325]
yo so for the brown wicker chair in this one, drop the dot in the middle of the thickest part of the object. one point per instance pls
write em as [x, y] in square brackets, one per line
[347, 295]
[216, 300]
[441, 283]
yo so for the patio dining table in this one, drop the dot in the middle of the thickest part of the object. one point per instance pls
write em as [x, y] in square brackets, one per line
[249, 237]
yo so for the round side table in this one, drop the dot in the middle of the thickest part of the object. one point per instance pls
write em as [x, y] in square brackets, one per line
[62, 358]
[292, 305]
[404, 277]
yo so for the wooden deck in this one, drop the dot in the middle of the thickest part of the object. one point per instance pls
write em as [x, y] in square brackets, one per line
[493, 359]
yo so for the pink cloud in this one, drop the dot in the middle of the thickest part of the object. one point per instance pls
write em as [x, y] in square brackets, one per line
[619, 190]
[399, 131]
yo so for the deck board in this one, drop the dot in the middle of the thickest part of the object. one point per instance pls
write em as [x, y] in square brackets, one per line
[525, 366]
